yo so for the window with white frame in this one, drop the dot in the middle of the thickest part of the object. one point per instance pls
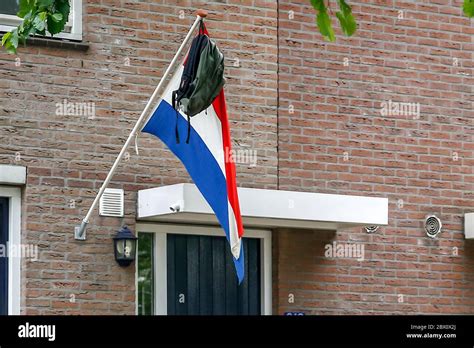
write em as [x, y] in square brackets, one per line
[10, 278]
[72, 31]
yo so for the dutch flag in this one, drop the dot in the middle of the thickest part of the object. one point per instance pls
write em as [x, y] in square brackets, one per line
[205, 159]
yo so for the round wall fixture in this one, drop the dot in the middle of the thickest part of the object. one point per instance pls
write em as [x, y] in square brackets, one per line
[432, 226]
[371, 229]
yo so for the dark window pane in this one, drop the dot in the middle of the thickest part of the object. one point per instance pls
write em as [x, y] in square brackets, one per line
[145, 274]
[9, 6]
[202, 280]
[3, 260]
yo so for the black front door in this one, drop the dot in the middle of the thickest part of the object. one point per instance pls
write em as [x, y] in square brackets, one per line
[202, 278]
[3, 258]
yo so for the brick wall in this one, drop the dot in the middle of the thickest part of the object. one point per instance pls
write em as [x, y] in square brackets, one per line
[131, 43]
[337, 141]
[334, 140]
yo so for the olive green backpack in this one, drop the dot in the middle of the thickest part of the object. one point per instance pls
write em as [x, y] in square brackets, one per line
[199, 91]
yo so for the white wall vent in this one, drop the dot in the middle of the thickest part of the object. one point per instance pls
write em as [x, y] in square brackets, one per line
[111, 203]
[433, 226]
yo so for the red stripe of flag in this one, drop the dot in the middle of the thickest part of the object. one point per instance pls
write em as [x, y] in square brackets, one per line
[221, 111]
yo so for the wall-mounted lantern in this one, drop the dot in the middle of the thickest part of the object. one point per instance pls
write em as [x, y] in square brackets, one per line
[125, 247]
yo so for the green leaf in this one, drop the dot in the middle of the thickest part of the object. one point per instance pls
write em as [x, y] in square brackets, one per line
[57, 17]
[5, 37]
[323, 20]
[56, 26]
[44, 4]
[29, 30]
[468, 8]
[26, 6]
[28, 16]
[11, 49]
[346, 19]
[14, 38]
[315, 4]
[43, 15]
[26, 28]
[63, 8]
[38, 23]
[318, 5]
[10, 42]
[325, 26]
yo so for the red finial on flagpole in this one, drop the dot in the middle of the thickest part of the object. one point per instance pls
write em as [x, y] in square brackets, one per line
[201, 13]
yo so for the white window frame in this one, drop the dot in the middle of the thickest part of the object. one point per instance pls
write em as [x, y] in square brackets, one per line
[74, 23]
[14, 237]
[161, 230]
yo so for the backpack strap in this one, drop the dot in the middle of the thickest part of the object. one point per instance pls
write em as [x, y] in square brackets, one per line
[187, 77]
[189, 130]
[202, 28]
[174, 102]
[202, 31]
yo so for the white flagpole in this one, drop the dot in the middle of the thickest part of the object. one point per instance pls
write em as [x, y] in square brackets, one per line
[79, 231]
